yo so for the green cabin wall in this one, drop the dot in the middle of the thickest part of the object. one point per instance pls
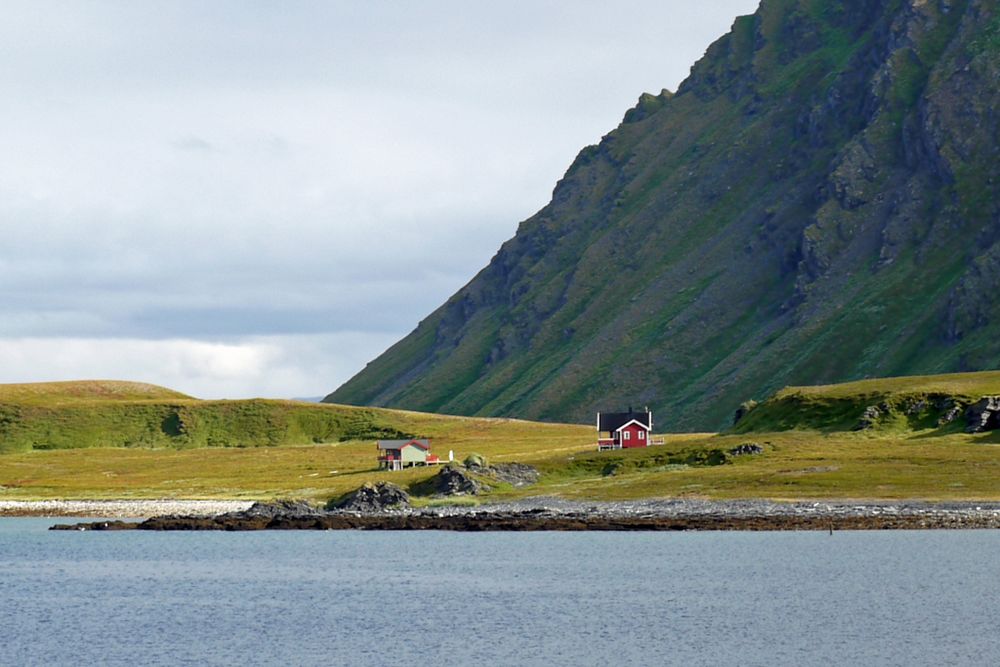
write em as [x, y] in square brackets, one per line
[413, 454]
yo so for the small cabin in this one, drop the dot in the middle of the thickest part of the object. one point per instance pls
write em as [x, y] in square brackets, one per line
[624, 430]
[399, 454]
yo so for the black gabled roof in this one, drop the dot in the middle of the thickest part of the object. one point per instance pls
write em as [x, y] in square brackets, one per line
[612, 421]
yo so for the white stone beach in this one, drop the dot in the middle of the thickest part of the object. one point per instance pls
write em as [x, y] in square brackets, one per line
[120, 509]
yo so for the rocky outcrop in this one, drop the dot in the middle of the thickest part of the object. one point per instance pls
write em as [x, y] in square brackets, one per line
[259, 516]
[746, 449]
[950, 410]
[373, 498]
[871, 416]
[551, 514]
[913, 407]
[455, 480]
[277, 508]
[468, 479]
[515, 474]
[983, 415]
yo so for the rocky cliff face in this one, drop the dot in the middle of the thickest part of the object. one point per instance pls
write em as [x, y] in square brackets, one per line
[818, 202]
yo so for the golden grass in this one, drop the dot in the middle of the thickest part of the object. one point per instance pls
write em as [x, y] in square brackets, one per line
[801, 465]
[884, 463]
[52, 394]
[310, 471]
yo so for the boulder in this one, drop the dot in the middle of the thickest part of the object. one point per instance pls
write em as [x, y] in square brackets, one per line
[870, 417]
[950, 410]
[746, 449]
[983, 415]
[453, 480]
[373, 498]
[515, 474]
[275, 509]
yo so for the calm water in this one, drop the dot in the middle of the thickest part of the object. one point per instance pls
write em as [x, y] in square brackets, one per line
[331, 598]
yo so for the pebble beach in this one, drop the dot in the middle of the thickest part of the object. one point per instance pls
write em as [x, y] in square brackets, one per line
[120, 509]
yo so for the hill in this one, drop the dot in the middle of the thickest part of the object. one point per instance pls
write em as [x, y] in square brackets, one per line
[915, 403]
[81, 391]
[817, 202]
[113, 414]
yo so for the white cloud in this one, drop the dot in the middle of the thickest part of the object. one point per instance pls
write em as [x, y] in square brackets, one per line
[270, 366]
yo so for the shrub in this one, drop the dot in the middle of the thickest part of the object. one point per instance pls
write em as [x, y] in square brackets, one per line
[474, 459]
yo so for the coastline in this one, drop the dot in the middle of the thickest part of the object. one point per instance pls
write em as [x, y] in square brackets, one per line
[534, 514]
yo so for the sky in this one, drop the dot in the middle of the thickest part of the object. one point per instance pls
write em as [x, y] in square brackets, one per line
[238, 199]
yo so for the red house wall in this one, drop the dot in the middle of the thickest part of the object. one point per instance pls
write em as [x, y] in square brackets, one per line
[633, 440]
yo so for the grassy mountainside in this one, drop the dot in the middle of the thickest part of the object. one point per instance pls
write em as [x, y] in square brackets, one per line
[817, 202]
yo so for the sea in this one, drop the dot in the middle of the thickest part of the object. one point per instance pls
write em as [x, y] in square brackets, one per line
[442, 598]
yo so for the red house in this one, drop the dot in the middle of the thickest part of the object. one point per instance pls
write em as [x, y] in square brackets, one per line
[624, 430]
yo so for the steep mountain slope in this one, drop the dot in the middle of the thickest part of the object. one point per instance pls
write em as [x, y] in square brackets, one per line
[818, 202]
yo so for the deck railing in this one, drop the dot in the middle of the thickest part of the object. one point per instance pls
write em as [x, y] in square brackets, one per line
[606, 444]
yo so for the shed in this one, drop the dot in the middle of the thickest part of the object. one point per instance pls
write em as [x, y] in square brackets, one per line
[399, 454]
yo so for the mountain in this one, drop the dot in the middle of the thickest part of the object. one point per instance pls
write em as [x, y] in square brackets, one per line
[817, 202]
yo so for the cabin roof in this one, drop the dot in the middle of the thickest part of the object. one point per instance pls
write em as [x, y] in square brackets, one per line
[422, 443]
[612, 421]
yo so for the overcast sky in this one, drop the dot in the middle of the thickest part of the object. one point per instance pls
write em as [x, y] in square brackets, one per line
[241, 199]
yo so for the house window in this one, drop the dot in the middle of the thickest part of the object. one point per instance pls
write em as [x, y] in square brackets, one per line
[628, 434]
[642, 435]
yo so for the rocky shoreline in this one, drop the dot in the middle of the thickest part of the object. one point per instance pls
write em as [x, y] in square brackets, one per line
[552, 514]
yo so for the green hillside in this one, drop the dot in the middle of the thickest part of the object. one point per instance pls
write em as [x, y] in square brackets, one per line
[72, 415]
[932, 402]
[817, 202]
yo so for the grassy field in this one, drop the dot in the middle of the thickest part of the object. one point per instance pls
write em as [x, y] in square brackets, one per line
[908, 459]
[315, 471]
